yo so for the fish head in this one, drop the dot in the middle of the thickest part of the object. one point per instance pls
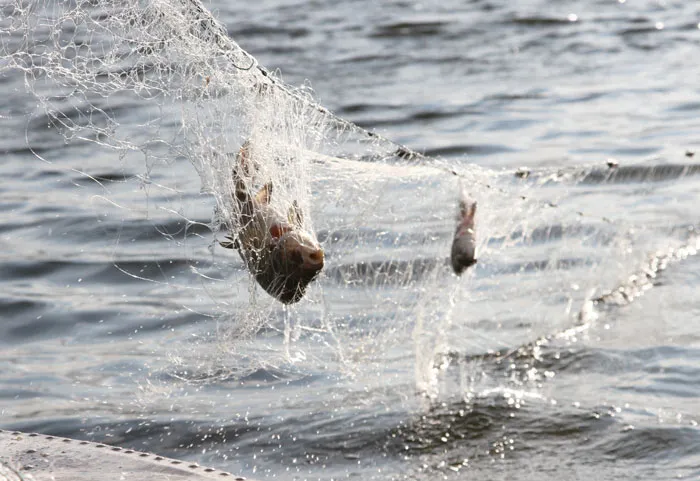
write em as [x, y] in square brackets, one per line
[297, 251]
[291, 262]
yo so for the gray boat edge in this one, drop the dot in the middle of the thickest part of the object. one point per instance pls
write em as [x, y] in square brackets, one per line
[38, 457]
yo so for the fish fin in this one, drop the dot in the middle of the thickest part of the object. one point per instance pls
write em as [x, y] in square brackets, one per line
[295, 215]
[263, 196]
[230, 243]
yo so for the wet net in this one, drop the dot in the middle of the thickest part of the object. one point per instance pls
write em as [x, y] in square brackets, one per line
[384, 214]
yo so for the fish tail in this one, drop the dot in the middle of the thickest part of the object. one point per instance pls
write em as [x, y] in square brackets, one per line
[467, 210]
[241, 171]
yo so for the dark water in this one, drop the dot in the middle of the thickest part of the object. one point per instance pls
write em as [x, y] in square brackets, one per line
[107, 335]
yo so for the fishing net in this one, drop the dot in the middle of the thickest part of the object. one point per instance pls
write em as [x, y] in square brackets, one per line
[384, 214]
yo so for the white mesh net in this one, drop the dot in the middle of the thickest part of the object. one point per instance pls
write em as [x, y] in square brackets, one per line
[384, 214]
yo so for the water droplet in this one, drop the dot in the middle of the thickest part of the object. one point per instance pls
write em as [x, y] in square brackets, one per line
[572, 17]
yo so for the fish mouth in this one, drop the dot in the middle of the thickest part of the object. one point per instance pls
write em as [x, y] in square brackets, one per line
[313, 261]
[462, 264]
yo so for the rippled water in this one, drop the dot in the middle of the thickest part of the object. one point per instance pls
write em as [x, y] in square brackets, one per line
[106, 334]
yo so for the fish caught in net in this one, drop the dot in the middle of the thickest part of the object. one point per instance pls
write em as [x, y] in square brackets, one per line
[281, 256]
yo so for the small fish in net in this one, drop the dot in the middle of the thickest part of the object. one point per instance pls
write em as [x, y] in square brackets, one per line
[464, 242]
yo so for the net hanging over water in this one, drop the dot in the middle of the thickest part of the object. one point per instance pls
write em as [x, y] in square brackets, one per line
[383, 213]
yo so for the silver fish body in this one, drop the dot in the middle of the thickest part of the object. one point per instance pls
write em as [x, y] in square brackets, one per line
[282, 257]
[463, 253]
